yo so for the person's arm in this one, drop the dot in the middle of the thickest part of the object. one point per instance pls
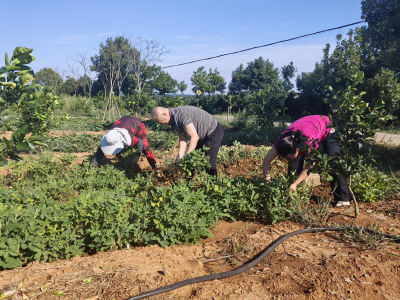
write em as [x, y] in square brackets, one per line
[142, 135]
[266, 165]
[303, 175]
[182, 145]
[194, 137]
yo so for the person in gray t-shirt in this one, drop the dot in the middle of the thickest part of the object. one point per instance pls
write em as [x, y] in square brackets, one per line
[199, 125]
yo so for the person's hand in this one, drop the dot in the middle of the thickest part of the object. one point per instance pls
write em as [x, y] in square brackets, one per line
[293, 187]
[268, 179]
[179, 157]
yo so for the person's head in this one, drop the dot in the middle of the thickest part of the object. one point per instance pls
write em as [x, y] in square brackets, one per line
[288, 145]
[114, 141]
[160, 115]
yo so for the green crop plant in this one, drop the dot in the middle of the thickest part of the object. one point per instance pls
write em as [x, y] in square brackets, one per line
[50, 209]
[73, 143]
[371, 185]
[194, 162]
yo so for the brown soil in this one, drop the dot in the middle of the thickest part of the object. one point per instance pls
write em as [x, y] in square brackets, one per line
[310, 266]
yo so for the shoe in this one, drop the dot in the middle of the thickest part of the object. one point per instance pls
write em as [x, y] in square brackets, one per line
[342, 203]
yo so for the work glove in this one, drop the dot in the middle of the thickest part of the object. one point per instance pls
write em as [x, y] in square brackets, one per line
[153, 165]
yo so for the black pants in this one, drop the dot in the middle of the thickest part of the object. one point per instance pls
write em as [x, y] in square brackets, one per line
[338, 184]
[213, 141]
[99, 155]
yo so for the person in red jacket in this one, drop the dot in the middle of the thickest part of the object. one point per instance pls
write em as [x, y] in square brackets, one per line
[127, 131]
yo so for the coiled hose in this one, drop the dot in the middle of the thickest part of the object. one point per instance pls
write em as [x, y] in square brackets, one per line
[254, 261]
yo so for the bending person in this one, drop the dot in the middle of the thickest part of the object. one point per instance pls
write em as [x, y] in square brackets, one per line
[127, 131]
[307, 132]
[193, 122]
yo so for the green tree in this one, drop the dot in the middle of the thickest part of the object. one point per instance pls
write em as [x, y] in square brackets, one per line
[258, 75]
[334, 70]
[69, 87]
[209, 83]
[237, 84]
[287, 73]
[35, 104]
[383, 17]
[354, 121]
[199, 80]
[113, 64]
[310, 100]
[48, 77]
[386, 87]
[266, 105]
[164, 83]
[182, 86]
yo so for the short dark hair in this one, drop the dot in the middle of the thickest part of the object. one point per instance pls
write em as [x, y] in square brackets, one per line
[289, 142]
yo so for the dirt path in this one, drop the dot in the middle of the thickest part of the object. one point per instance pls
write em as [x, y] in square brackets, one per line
[390, 138]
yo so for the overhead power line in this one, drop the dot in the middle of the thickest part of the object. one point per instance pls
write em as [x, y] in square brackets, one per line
[266, 45]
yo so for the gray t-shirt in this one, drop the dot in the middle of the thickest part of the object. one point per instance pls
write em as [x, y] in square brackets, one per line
[182, 116]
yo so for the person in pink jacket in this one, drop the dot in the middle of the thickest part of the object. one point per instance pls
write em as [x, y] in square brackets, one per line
[292, 144]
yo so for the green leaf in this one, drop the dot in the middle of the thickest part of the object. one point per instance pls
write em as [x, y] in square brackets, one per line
[24, 59]
[22, 146]
[3, 70]
[58, 293]
[19, 134]
[15, 75]
[17, 68]
[7, 60]
[3, 162]
[25, 79]
[39, 143]
[20, 51]
[11, 85]
[87, 280]
[380, 104]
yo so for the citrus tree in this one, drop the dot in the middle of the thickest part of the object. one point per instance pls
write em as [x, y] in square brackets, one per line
[34, 103]
[354, 121]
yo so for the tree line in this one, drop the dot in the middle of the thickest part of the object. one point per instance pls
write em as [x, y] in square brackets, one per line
[128, 69]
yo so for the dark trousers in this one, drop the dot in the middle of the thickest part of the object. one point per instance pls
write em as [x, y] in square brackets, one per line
[213, 141]
[338, 184]
[99, 155]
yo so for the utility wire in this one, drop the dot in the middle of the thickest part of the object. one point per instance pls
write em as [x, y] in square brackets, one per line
[282, 41]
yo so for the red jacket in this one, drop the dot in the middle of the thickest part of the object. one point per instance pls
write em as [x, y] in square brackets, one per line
[137, 131]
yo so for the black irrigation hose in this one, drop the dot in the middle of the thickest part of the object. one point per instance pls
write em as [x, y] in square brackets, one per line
[256, 259]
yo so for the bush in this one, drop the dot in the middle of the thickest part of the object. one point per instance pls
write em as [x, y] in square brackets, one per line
[77, 105]
[371, 185]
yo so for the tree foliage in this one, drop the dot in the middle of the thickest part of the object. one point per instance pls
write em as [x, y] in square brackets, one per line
[164, 83]
[258, 75]
[209, 83]
[383, 17]
[34, 103]
[48, 77]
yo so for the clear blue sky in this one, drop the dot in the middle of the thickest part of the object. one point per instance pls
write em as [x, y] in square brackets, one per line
[190, 29]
